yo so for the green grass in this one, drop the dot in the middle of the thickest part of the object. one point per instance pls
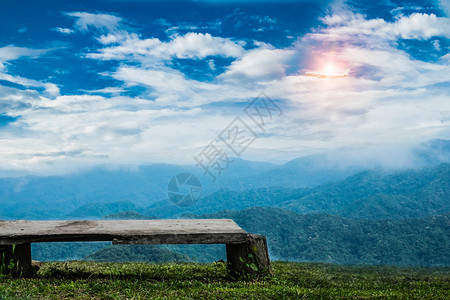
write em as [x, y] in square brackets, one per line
[92, 280]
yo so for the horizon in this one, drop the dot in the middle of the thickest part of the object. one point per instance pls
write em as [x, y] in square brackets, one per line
[402, 158]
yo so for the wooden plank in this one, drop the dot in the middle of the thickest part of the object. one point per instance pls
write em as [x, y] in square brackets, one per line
[182, 231]
[210, 238]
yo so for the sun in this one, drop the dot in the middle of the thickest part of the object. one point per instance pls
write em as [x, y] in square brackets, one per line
[329, 69]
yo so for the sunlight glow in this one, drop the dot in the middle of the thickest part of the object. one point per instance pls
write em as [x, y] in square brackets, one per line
[329, 69]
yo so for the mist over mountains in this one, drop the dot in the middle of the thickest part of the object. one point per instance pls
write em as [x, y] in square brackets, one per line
[145, 187]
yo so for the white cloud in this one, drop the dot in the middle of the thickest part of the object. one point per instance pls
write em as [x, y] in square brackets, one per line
[103, 22]
[11, 52]
[71, 132]
[171, 88]
[64, 30]
[117, 37]
[191, 45]
[421, 26]
[199, 45]
[436, 45]
[396, 68]
[347, 25]
[260, 64]
[446, 58]
[389, 98]
[211, 64]
[108, 90]
[20, 80]
[368, 44]
[51, 89]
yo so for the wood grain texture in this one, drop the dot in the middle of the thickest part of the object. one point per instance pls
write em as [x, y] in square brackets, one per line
[182, 231]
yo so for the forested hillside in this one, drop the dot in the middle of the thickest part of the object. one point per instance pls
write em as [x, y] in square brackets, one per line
[378, 194]
[291, 236]
[422, 241]
[368, 195]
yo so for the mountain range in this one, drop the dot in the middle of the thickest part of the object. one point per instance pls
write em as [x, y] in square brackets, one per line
[366, 195]
[244, 184]
[314, 208]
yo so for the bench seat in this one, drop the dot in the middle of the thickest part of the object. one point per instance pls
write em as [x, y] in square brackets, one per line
[243, 249]
[178, 231]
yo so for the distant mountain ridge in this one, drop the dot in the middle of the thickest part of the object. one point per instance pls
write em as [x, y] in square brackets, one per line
[51, 197]
[55, 197]
[98, 210]
[432, 152]
[313, 170]
[127, 215]
[367, 195]
[380, 194]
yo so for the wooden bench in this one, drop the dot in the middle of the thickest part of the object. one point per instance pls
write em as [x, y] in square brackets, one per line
[244, 250]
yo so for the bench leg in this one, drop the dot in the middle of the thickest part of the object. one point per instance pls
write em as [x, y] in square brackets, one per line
[21, 256]
[249, 258]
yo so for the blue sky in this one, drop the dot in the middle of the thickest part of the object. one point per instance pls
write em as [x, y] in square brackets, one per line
[84, 83]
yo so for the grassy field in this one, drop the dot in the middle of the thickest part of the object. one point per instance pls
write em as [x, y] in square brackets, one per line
[91, 280]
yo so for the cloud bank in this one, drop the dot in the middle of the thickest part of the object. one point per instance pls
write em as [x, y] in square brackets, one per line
[158, 112]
